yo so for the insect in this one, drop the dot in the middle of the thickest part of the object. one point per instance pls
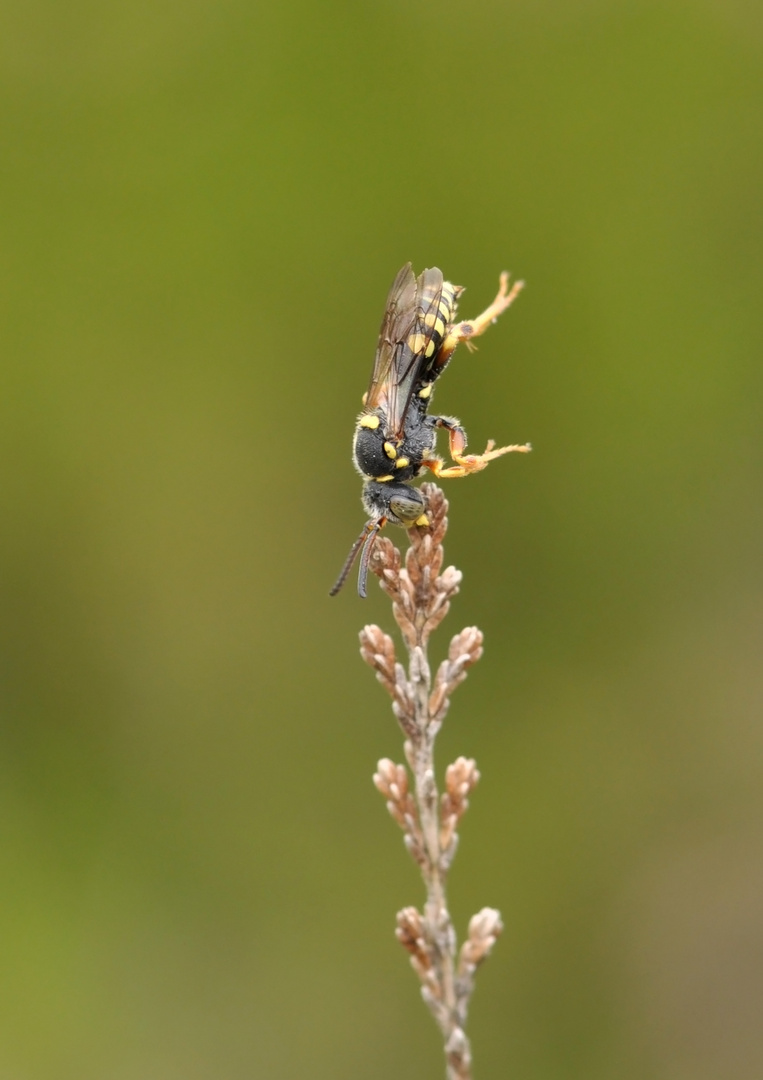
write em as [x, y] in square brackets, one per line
[395, 435]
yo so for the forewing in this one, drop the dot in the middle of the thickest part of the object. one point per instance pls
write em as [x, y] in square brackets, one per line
[399, 312]
[406, 334]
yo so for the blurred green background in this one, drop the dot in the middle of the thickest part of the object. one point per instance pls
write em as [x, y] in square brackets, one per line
[203, 206]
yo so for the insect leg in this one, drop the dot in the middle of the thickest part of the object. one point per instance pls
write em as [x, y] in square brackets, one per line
[472, 328]
[466, 463]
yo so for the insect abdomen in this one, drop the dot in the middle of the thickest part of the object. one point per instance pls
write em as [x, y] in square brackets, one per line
[433, 326]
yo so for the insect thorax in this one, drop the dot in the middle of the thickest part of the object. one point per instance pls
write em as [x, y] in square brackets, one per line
[381, 458]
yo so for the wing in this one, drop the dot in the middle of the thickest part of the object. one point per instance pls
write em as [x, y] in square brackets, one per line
[399, 316]
[405, 338]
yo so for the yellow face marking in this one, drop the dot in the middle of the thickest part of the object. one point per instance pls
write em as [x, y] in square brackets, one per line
[430, 348]
[425, 391]
[384, 479]
[423, 520]
[371, 422]
[389, 450]
[416, 342]
[402, 463]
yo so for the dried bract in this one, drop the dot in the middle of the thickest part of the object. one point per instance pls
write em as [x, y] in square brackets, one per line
[465, 650]
[461, 778]
[378, 651]
[392, 781]
[484, 928]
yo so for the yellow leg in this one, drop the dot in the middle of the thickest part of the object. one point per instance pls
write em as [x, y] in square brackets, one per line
[471, 463]
[466, 463]
[472, 328]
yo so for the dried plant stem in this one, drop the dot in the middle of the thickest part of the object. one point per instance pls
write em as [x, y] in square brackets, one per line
[421, 596]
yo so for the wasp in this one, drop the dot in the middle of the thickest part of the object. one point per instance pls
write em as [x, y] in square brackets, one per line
[395, 434]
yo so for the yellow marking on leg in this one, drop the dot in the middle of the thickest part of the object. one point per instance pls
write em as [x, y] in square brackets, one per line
[369, 421]
[453, 472]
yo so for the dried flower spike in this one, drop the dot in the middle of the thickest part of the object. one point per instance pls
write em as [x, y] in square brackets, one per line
[421, 592]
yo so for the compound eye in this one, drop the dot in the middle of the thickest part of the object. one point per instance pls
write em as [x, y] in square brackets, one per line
[407, 509]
